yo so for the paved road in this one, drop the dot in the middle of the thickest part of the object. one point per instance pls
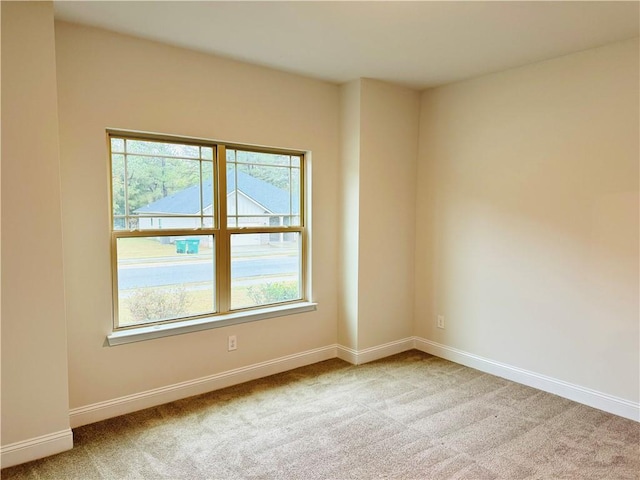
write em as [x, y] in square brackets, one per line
[176, 273]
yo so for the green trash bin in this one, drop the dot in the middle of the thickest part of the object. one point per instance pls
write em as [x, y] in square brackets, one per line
[193, 245]
[181, 246]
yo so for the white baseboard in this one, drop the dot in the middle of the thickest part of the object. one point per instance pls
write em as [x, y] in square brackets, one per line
[151, 398]
[131, 403]
[39, 447]
[586, 396]
[158, 396]
[35, 448]
[358, 357]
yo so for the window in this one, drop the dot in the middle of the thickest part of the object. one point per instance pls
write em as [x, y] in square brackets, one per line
[203, 229]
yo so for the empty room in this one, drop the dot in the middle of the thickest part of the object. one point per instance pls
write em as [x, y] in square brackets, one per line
[298, 240]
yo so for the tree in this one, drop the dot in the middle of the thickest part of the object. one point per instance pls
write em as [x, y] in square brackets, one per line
[277, 176]
[151, 174]
[155, 170]
[270, 167]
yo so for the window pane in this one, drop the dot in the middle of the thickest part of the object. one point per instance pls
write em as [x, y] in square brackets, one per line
[275, 177]
[208, 194]
[117, 145]
[164, 278]
[207, 153]
[117, 182]
[148, 186]
[161, 148]
[232, 198]
[119, 223]
[295, 195]
[256, 193]
[262, 158]
[265, 269]
[163, 185]
[165, 223]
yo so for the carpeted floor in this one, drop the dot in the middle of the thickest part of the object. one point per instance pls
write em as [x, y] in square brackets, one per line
[410, 416]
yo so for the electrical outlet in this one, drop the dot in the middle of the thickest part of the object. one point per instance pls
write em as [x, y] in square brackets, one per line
[440, 321]
[232, 343]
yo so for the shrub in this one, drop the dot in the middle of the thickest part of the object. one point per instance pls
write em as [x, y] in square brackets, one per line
[155, 304]
[275, 292]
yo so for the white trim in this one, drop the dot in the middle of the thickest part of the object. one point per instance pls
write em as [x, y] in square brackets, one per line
[347, 354]
[131, 403]
[158, 396]
[35, 448]
[358, 357]
[586, 396]
[149, 332]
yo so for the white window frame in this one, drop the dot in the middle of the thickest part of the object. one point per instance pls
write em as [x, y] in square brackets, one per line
[222, 233]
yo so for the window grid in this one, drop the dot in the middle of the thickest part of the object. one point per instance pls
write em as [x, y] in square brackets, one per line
[220, 231]
[129, 219]
[291, 166]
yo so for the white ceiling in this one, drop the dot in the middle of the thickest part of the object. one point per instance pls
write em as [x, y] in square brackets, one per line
[417, 43]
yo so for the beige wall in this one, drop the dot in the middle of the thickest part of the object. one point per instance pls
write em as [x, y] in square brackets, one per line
[349, 214]
[109, 80]
[388, 159]
[527, 218]
[34, 351]
[377, 211]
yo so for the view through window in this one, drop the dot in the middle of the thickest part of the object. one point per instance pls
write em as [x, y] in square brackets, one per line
[203, 228]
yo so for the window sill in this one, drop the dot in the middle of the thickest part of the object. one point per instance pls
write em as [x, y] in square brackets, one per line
[188, 326]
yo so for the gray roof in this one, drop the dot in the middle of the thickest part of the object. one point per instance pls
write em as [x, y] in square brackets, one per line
[187, 201]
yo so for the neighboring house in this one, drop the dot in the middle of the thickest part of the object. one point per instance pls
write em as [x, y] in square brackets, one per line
[251, 198]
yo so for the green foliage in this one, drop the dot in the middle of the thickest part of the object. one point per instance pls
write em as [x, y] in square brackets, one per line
[276, 176]
[154, 304]
[151, 174]
[276, 292]
[151, 178]
[270, 167]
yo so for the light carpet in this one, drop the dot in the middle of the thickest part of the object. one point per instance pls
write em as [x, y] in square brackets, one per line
[410, 416]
